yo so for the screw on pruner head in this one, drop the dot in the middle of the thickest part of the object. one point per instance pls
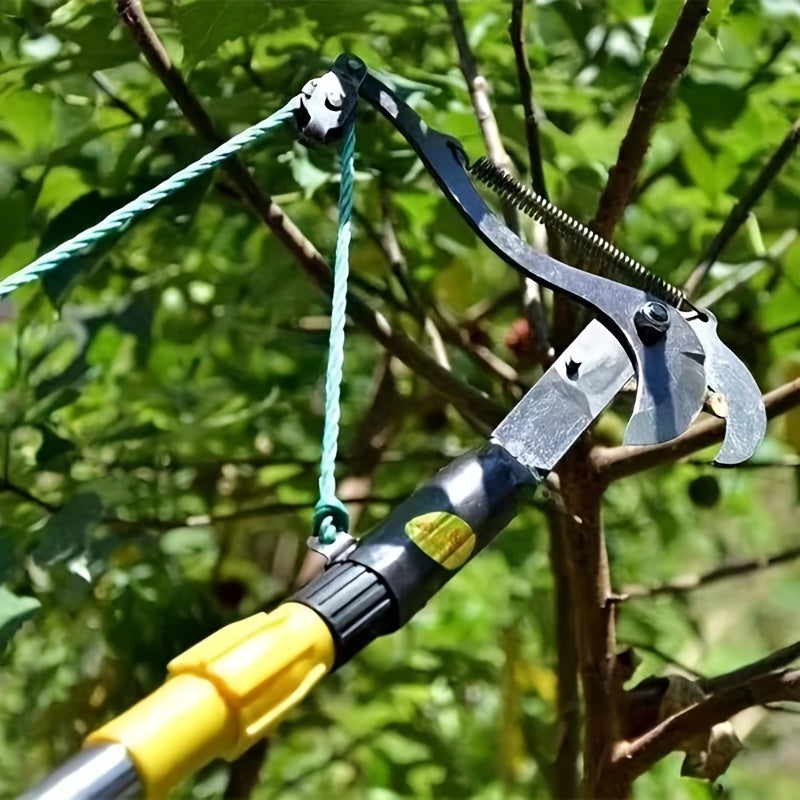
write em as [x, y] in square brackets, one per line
[329, 102]
[651, 321]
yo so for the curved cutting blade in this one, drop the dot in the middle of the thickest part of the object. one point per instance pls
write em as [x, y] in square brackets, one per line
[743, 406]
[671, 384]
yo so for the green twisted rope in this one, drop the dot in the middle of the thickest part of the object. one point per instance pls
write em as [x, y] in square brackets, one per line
[330, 515]
[122, 217]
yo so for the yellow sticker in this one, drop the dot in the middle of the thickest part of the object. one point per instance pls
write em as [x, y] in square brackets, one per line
[444, 537]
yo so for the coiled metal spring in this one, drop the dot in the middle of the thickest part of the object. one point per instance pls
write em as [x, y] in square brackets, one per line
[578, 234]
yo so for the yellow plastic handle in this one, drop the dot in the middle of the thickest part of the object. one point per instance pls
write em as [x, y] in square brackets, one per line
[223, 695]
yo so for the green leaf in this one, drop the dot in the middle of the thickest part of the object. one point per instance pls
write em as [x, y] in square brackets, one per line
[66, 378]
[76, 217]
[663, 21]
[53, 448]
[205, 24]
[14, 610]
[14, 210]
[65, 533]
[308, 175]
[8, 552]
[718, 10]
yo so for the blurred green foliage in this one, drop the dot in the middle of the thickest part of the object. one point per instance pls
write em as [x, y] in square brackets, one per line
[161, 399]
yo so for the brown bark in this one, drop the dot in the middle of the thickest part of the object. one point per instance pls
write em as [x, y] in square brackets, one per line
[666, 72]
[564, 780]
[592, 609]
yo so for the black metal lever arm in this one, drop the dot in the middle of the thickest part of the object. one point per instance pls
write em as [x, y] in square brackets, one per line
[671, 383]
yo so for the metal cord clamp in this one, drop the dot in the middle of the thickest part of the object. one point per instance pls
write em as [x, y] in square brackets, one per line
[328, 103]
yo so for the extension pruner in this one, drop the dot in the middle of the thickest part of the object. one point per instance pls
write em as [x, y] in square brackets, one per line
[232, 688]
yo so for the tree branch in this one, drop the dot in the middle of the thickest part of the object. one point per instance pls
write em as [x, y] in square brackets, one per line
[249, 512]
[774, 661]
[482, 412]
[763, 73]
[637, 644]
[516, 31]
[24, 494]
[592, 610]
[613, 463]
[244, 773]
[731, 570]
[104, 85]
[631, 759]
[478, 88]
[568, 708]
[457, 335]
[743, 206]
[534, 305]
[660, 80]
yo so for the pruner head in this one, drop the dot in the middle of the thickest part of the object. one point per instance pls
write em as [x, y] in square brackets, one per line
[672, 373]
[328, 103]
[676, 373]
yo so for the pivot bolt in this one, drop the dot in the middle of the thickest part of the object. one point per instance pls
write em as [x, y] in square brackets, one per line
[651, 321]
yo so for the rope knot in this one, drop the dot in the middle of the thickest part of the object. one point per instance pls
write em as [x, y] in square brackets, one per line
[330, 517]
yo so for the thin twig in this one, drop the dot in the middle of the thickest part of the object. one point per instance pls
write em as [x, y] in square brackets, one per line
[613, 463]
[762, 73]
[774, 661]
[478, 88]
[663, 76]
[457, 335]
[390, 245]
[24, 494]
[631, 759]
[781, 329]
[516, 30]
[107, 89]
[743, 206]
[265, 510]
[245, 771]
[7, 452]
[731, 570]
[268, 509]
[488, 306]
[732, 283]
[787, 462]
[482, 412]
[637, 644]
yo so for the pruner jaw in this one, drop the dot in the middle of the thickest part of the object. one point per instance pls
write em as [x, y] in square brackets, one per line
[672, 376]
[328, 103]
[735, 395]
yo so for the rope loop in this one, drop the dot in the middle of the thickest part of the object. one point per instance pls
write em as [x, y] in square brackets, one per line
[330, 518]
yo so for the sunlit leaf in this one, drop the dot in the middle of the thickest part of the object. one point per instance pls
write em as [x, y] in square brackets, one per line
[14, 610]
[65, 533]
